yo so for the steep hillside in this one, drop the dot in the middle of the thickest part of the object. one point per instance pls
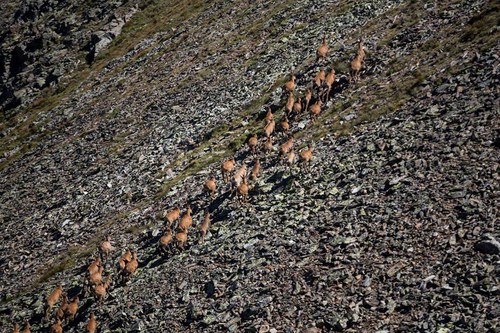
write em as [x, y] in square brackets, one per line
[393, 228]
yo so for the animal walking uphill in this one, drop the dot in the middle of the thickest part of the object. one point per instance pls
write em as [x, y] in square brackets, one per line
[239, 184]
[210, 187]
[322, 51]
[307, 99]
[252, 143]
[269, 128]
[100, 289]
[285, 125]
[315, 109]
[172, 215]
[61, 311]
[269, 115]
[318, 81]
[289, 103]
[226, 169]
[92, 323]
[166, 240]
[306, 156]
[357, 63]
[52, 300]
[27, 328]
[255, 171]
[290, 85]
[181, 238]
[106, 247]
[204, 227]
[328, 83]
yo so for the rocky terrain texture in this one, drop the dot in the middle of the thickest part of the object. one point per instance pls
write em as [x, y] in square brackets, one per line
[41, 41]
[393, 229]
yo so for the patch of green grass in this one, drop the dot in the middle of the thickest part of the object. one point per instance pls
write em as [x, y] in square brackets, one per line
[483, 25]
[113, 113]
[134, 229]
[216, 132]
[68, 260]
[61, 266]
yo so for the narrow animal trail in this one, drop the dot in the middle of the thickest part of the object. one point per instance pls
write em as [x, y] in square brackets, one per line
[391, 228]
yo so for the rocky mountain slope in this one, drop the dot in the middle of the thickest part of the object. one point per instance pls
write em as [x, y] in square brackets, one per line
[44, 40]
[393, 228]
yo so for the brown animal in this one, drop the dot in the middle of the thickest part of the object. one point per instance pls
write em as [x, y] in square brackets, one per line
[238, 176]
[94, 266]
[62, 308]
[307, 98]
[92, 323]
[285, 126]
[166, 239]
[252, 143]
[52, 299]
[318, 80]
[101, 289]
[268, 146]
[56, 327]
[322, 51]
[124, 259]
[315, 109]
[16, 328]
[290, 85]
[226, 169]
[172, 215]
[106, 247]
[181, 238]
[255, 171]
[186, 220]
[297, 107]
[289, 103]
[243, 190]
[204, 226]
[27, 328]
[329, 80]
[72, 308]
[132, 265]
[286, 147]
[210, 186]
[269, 115]
[291, 158]
[306, 156]
[269, 128]
[96, 277]
[361, 49]
[356, 65]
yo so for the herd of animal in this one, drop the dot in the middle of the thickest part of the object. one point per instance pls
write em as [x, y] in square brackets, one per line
[236, 178]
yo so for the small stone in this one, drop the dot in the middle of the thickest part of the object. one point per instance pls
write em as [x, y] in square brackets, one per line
[334, 191]
[461, 233]
[350, 116]
[458, 194]
[489, 245]
[311, 330]
[264, 328]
